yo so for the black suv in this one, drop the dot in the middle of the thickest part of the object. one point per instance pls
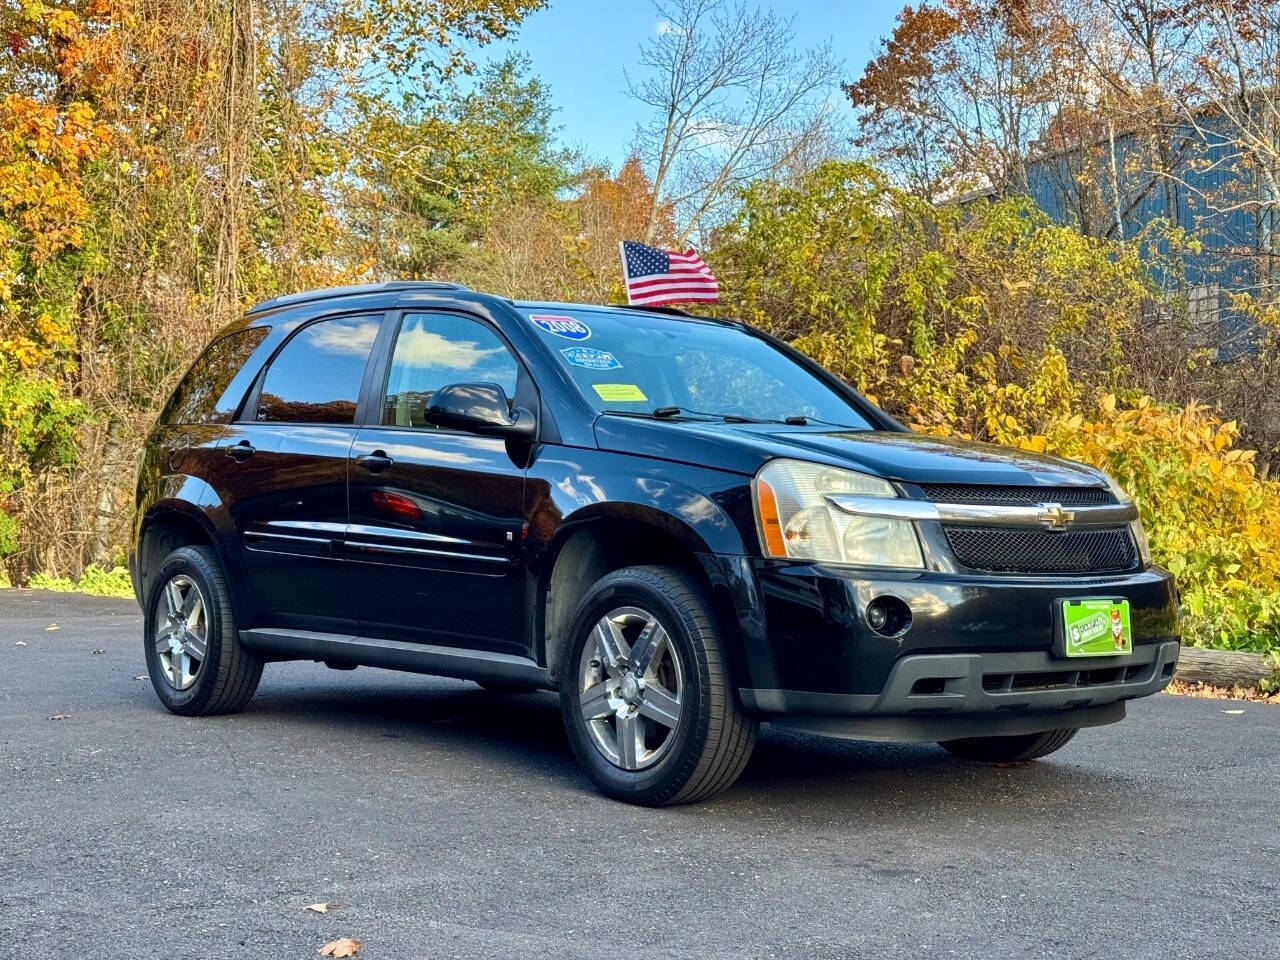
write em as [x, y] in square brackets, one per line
[682, 524]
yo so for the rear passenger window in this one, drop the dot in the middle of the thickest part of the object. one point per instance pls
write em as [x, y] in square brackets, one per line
[316, 377]
[197, 398]
[434, 350]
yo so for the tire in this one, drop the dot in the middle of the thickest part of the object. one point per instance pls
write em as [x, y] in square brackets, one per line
[712, 737]
[1028, 746]
[227, 676]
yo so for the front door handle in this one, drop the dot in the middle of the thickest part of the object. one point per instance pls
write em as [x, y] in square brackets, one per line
[375, 462]
[241, 452]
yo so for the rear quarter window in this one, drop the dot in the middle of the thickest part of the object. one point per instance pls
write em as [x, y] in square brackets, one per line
[199, 397]
[315, 378]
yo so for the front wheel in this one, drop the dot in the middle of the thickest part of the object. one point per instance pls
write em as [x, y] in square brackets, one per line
[648, 706]
[1028, 746]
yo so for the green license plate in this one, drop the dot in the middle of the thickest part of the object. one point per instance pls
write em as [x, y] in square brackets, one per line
[1096, 628]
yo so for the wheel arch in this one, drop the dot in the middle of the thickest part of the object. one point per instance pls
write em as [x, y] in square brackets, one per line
[599, 542]
[166, 527]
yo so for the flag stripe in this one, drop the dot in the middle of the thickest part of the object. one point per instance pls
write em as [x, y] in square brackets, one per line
[677, 287]
[675, 298]
[671, 278]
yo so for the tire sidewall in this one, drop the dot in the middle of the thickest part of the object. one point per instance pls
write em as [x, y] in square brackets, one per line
[192, 562]
[665, 778]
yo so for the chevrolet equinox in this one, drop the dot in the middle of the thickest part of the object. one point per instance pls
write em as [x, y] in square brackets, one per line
[682, 524]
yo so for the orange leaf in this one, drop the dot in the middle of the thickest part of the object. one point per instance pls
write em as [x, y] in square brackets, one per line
[342, 947]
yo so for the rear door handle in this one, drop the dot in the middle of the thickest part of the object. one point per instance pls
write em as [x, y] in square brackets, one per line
[241, 452]
[375, 462]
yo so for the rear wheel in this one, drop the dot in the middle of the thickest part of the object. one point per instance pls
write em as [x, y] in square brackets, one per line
[1029, 746]
[645, 693]
[194, 656]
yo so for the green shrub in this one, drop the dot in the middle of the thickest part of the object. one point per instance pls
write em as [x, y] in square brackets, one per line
[96, 581]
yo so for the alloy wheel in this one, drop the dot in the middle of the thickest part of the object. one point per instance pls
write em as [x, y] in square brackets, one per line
[181, 632]
[631, 688]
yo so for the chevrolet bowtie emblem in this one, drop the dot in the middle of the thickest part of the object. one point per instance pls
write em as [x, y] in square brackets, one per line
[1054, 517]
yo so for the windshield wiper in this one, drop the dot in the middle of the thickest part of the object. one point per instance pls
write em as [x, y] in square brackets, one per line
[662, 413]
[666, 413]
[673, 411]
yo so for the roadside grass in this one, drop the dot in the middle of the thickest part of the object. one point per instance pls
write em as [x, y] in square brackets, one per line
[96, 581]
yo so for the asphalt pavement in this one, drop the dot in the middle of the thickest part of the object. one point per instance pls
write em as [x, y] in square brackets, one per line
[451, 822]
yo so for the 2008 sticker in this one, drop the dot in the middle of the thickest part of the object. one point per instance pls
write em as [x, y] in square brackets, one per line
[591, 358]
[561, 326]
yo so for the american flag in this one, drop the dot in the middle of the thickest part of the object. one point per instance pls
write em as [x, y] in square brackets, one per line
[657, 277]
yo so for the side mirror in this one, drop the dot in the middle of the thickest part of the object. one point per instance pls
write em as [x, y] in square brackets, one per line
[479, 408]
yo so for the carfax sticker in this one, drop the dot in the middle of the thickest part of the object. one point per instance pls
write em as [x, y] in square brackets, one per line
[591, 358]
[619, 392]
[561, 326]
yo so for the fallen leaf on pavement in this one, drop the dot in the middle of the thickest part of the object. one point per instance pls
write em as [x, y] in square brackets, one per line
[342, 947]
[323, 907]
[61, 716]
[53, 626]
[96, 652]
[1252, 694]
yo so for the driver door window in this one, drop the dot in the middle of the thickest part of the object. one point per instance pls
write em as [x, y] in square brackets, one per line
[436, 349]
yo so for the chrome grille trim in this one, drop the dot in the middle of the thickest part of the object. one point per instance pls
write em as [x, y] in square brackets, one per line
[1002, 515]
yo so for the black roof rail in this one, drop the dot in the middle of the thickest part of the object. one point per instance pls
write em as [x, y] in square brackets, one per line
[325, 293]
[655, 308]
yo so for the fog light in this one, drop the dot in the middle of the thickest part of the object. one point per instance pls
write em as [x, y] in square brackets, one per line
[888, 616]
[877, 616]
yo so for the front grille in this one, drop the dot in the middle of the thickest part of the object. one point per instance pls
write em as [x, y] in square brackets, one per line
[1016, 496]
[1015, 550]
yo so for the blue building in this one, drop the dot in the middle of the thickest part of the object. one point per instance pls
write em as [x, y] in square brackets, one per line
[1114, 188]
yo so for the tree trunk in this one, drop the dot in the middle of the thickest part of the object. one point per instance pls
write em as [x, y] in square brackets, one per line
[240, 86]
[1222, 668]
[109, 476]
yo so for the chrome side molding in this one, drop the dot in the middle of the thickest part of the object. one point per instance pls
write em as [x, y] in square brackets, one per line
[1050, 516]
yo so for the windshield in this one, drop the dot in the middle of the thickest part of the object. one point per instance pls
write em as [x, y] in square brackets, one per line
[639, 363]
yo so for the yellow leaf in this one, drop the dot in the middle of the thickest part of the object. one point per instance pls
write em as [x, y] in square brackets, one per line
[323, 907]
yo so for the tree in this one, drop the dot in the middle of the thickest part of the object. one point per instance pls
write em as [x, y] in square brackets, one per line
[433, 180]
[960, 90]
[732, 102]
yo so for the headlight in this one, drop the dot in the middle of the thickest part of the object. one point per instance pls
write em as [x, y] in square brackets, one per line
[1135, 526]
[796, 521]
[1140, 538]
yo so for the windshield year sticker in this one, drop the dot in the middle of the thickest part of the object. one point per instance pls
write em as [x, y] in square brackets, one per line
[619, 392]
[591, 358]
[561, 326]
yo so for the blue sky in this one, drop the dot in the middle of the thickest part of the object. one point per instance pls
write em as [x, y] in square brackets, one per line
[581, 47]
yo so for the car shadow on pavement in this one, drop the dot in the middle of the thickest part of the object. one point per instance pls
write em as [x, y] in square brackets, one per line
[523, 732]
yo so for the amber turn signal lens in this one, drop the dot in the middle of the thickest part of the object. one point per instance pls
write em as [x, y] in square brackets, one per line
[770, 524]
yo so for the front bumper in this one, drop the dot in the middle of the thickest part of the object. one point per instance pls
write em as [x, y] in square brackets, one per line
[976, 660]
[942, 696]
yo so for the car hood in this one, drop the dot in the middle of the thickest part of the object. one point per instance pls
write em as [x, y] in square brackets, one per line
[908, 457]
